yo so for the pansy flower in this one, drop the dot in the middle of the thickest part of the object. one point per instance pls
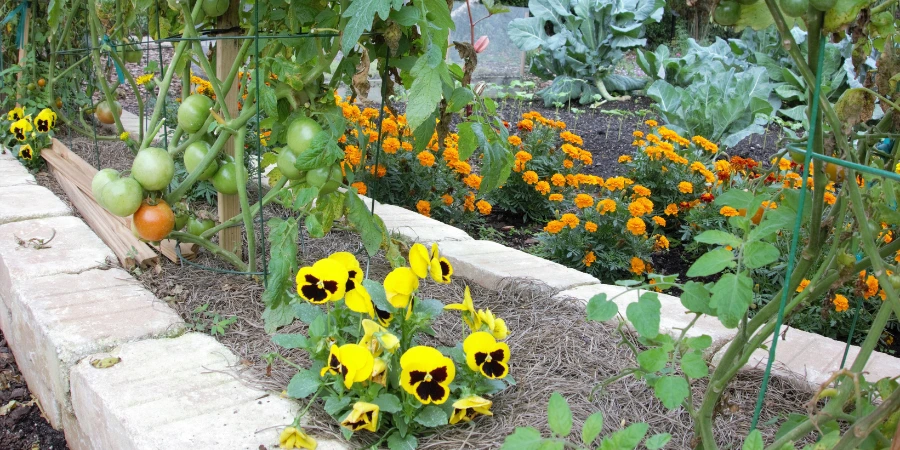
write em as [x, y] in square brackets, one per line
[295, 438]
[15, 114]
[465, 409]
[353, 361]
[427, 374]
[379, 372]
[323, 281]
[399, 286]
[45, 121]
[486, 356]
[469, 316]
[384, 317]
[20, 128]
[377, 338]
[363, 416]
[356, 297]
[418, 260]
[495, 325]
[441, 270]
[25, 152]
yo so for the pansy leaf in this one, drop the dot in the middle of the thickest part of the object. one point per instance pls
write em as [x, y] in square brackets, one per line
[693, 365]
[379, 297]
[290, 341]
[657, 441]
[334, 405]
[303, 384]
[592, 428]
[671, 391]
[306, 312]
[759, 254]
[559, 415]
[644, 315]
[600, 309]
[432, 416]
[524, 438]
[429, 307]
[319, 327]
[396, 442]
[388, 403]
[712, 262]
[653, 360]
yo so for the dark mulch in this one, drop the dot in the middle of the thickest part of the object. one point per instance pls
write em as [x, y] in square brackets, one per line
[22, 425]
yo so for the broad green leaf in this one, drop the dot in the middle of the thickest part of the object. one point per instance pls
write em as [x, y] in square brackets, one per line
[460, 97]
[559, 415]
[711, 262]
[388, 403]
[268, 101]
[305, 196]
[658, 441]
[754, 441]
[323, 152]
[329, 207]
[334, 405]
[54, 9]
[653, 360]
[644, 315]
[314, 226]
[290, 341]
[699, 342]
[693, 365]
[467, 141]
[626, 439]
[844, 13]
[428, 74]
[671, 391]
[406, 16]
[735, 198]
[303, 384]
[306, 312]
[793, 420]
[600, 309]
[361, 219]
[408, 442]
[282, 267]
[361, 15]
[592, 428]
[496, 166]
[774, 220]
[432, 416]
[759, 254]
[731, 296]
[718, 237]
[524, 438]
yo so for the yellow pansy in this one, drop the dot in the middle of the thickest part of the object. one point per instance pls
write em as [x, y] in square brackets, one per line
[323, 281]
[20, 128]
[295, 438]
[363, 416]
[15, 114]
[356, 296]
[426, 374]
[399, 286]
[441, 270]
[418, 260]
[486, 356]
[377, 338]
[469, 316]
[465, 409]
[353, 361]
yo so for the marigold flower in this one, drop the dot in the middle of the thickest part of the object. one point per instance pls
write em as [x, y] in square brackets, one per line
[462, 167]
[638, 134]
[323, 281]
[473, 181]
[640, 207]
[571, 138]
[589, 258]
[637, 266]
[555, 197]
[483, 207]
[636, 226]
[659, 221]
[840, 303]
[525, 125]
[469, 202]
[728, 211]
[363, 416]
[530, 177]
[705, 144]
[624, 159]
[590, 227]
[558, 180]
[295, 438]
[830, 198]
[554, 226]
[390, 145]
[803, 284]
[514, 141]
[871, 287]
[427, 374]
[607, 205]
[616, 183]
[671, 209]
[685, 187]
[568, 164]
[406, 146]
[26, 152]
[641, 190]
[706, 197]
[486, 356]
[353, 361]
[572, 180]
[662, 243]
[352, 155]
[466, 409]
[584, 201]
[651, 123]
[543, 187]
[522, 155]
[782, 163]
[569, 219]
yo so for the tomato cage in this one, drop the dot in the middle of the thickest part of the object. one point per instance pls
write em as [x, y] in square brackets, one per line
[246, 74]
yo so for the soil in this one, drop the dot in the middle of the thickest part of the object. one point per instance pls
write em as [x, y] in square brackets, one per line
[22, 424]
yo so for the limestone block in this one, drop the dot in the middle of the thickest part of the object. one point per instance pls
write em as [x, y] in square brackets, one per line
[489, 263]
[176, 393]
[417, 227]
[24, 202]
[12, 173]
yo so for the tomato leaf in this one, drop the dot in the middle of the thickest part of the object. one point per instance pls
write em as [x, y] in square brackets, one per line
[693, 365]
[718, 237]
[758, 254]
[671, 391]
[364, 222]
[731, 296]
[657, 441]
[653, 360]
[559, 415]
[592, 428]
[644, 315]
[711, 262]
[323, 151]
[361, 15]
[282, 267]
[429, 73]
[599, 309]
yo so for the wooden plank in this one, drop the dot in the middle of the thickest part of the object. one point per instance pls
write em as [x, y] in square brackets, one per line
[227, 50]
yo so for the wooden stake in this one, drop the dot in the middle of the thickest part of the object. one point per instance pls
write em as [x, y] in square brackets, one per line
[227, 50]
[23, 52]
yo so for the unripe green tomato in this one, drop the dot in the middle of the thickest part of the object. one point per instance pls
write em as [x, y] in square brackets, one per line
[822, 5]
[197, 226]
[194, 154]
[225, 180]
[300, 134]
[193, 112]
[122, 197]
[727, 13]
[100, 180]
[895, 281]
[795, 8]
[214, 8]
[181, 220]
[327, 179]
[286, 159]
[154, 168]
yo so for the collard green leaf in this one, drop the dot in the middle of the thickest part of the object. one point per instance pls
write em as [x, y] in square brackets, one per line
[559, 415]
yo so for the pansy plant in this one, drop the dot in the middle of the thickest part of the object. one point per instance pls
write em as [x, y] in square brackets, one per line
[25, 131]
[369, 362]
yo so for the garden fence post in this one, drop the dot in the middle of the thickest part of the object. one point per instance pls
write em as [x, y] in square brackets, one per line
[226, 51]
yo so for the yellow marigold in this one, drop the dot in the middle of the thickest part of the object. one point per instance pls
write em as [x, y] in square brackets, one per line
[705, 144]
[671, 209]
[447, 199]
[871, 287]
[530, 177]
[624, 159]
[379, 172]
[782, 163]
[636, 226]
[840, 303]
[638, 134]
[572, 180]
[522, 155]
[514, 141]
[543, 187]
[685, 187]
[697, 166]
[584, 201]
[662, 243]
[570, 150]
[637, 266]
[558, 180]
[607, 205]
[462, 167]
[473, 181]
[426, 158]
[560, 124]
[518, 166]
[590, 227]
[568, 164]
[830, 198]
[708, 176]
[651, 123]
[723, 166]
[728, 211]
[615, 183]
[641, 190]
[351, 112]
[570, 219]
[802, 286]
[424, 208]
[406, 146]
[451, 155]
[469, 202]
[555, 197]
[554, 226]
[352, 155]
[589, 258]
[483, 207]
[659, 221]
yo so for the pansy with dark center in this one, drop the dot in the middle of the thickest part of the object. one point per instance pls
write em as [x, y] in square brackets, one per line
[441, 270]
[15, 114]
[427, 374]
[486, 356]
[20, 128]
[363, 416]
[353, 361]
[357, 296]
[26, 153]
[45, 121]
[326, 280]
[466, 409]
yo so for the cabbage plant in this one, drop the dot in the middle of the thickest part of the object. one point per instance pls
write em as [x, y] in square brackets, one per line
[577, 43]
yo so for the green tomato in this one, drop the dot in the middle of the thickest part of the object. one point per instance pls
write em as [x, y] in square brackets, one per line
[132, 54]
[193, 112]
[122, 197]
[822, 5]
[286, 159]
[181, 219]
[197, 226]
[225, 180]
[795, 8]
[100, 180]
[327, 179]
[727, 13]
[194, 154]
[214, 8]
[153, 168]
[300, 134]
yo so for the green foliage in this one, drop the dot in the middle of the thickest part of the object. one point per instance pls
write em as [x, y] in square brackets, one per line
[203, 320]
[578, 44]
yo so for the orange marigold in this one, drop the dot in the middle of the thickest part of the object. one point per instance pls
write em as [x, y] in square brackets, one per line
[543, 187]
[469, 202]
[426, 158]
[728, 211]
[571, 138]
[584, 201]
[871, 287]
[525, 125]
[590, 227]
[473, 181]
[840, 303]
[555, 197]
[570, 219]
[568, 164]
[606, 205]
[424, 208]
[514, 140]
[671, 209]
[589, 258]
[522, 155]
[554, 226]
[624, 159]
[530, 177]
[662, 243]
[803, 284]
[360, 187]
[659, 221]
[641, 190]
[638, 266]
[651, 123]
[483, 207]
[636, 226]
[558, 180]
[447, 199]
[462, 167]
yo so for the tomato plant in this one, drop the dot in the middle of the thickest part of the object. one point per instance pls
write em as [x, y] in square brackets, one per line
[153, 168]
[197, 226]
[154, 222]
[122, 197]
[300, 134]
[226, 180]
[105, 113]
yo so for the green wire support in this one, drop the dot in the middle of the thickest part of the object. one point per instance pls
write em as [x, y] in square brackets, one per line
[859, 304]
[795, 239]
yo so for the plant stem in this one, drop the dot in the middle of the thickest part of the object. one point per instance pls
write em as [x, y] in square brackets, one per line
[242, 176]
[254, 209]
[229, 257]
